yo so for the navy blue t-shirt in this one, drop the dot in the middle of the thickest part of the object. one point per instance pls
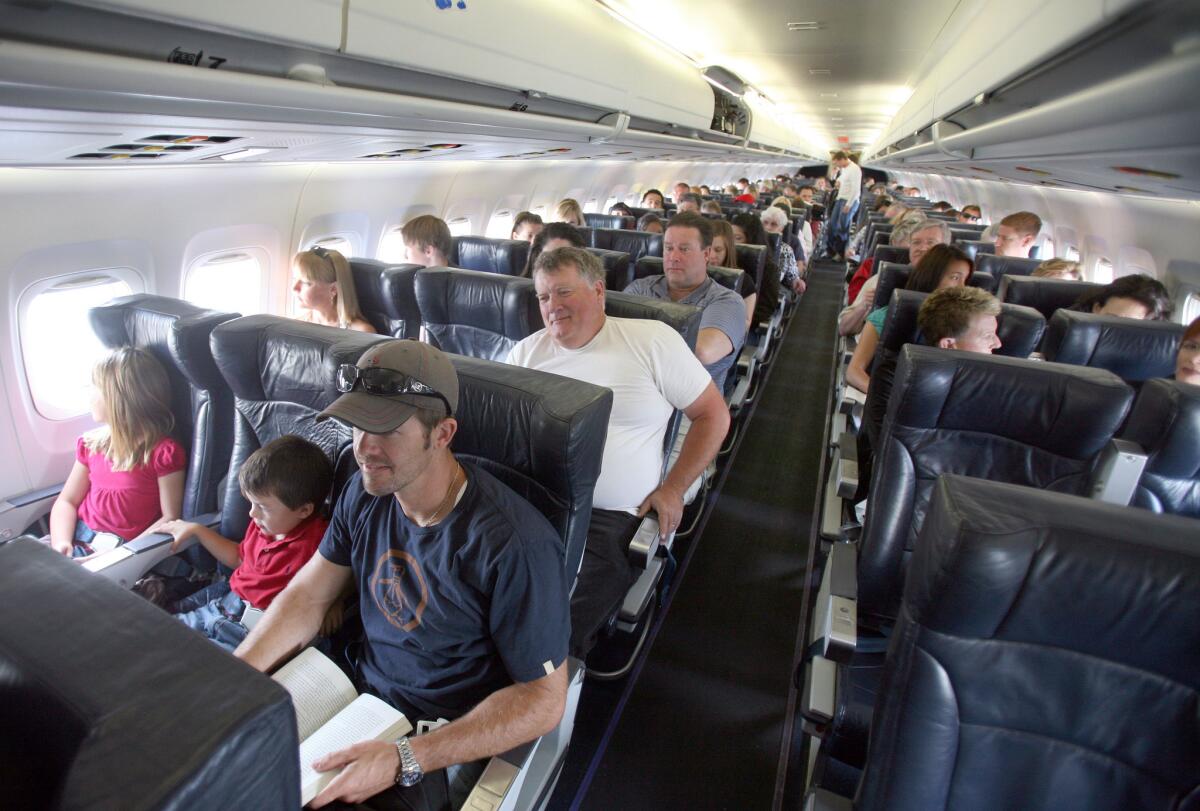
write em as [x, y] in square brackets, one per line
[455, 611]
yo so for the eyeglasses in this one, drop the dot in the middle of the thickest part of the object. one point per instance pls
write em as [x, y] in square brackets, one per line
[385, 383]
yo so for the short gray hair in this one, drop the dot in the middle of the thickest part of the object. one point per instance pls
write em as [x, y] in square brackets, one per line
[942, 226]
[589, 267]
[775, 215]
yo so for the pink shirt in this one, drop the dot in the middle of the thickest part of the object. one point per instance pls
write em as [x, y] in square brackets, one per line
[126, 502]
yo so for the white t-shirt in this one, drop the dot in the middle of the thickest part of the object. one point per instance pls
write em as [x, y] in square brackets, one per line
[850, 182]
[651, 372]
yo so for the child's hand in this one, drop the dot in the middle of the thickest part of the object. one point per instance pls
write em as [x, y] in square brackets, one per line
[177, 529]
[61, 547]
[333, 619]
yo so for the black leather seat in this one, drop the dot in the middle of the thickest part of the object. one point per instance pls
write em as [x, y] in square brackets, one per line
[974, 248]
[890, 253]
[1047, 296]
[398, 298]
[893, 276]
[110, 703]
[1001, 265]
[380, 293]
[616, 267]
[683, 318]
[610, 221]
[1133, 350]
[1166, 422]
[752, 259]
[480, 315]
[732, 278]
[178, 334]
[506, 256]
[1046, 656]
[1037, 424]
[635, 243]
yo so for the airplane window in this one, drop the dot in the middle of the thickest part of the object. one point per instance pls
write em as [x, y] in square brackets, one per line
[339, 244]
[610, 202]
[592, 206]
[1103, 272]
[500, 226]
[1072, 253]
[58, 345]
[459, 227]
[231, 282]
[1047, 247]
[540, 211]
[1191, 308]
[391, 248]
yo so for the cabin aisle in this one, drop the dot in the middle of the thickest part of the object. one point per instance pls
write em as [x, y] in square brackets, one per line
[705, 723]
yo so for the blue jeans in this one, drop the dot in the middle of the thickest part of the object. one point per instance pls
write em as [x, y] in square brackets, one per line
[84, 535]
[216, 612]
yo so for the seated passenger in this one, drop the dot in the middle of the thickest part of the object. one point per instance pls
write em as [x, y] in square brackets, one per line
[1187, 363]
[526, 226]
[960, 318]
[941, 267]
[129, 472]
[620, 210]
[705, 191]
[748, 230]
[651, 373]
[1058, 269]
[723, 254]
[650, 223]
[806, 194]
[483, 646]
[970, 214]
[1016, 234]
[427, 241]
[570, 212]
[685, 280]
[687, 202]
[941, 206]
[918, 235]
[324, 289]
[912, 191]
[286, 482]
[711, 207]
[679, 190]
[857, 241]
[653, 198]
[791, 273]
[554, 235]
[1135, 296]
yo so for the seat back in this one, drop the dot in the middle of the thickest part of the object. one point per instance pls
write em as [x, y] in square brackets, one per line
[610, 221]
[1165, 421]
[480, 315]
[177, 333]
[372, 300]
[616, 267]
[487, 255]
[1019, 329]
[398, 298]
[1037, 424]
[1131, 349]
[683, 318]
[635, 243]
[732, 278]
[1047, 296]
[1000, 265]
[893, 276]
[890, 253]
[752, 259]
[1045, 636]
[973, 247]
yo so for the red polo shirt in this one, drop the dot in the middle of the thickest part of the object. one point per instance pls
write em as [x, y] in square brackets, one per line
[268, 565]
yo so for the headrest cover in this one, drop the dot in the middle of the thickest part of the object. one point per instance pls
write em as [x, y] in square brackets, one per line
[506, 256]
[683, 318]
[1132, 349]
[1046, 296]
[1001, 265]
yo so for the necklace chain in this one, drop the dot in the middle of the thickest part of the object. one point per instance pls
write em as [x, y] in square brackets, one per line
[433, 519]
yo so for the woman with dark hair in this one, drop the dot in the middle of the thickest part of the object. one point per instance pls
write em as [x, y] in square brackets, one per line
[620, 210]
[1135, 296]
[651, 223]
[1187, 362]
[554, 235]
[748, 230]
[943, 266]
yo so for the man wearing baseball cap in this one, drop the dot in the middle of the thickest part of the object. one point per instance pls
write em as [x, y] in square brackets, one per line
[461, 589]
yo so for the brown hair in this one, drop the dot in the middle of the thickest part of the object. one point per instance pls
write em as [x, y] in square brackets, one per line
[948, 313]
[137, 396]
[427, 231]
[291, 469]
[722, 229]
[690, 219]
[1193, 331]
[1055, 268]
[1025, 223]
[927, 275]
[323, 265]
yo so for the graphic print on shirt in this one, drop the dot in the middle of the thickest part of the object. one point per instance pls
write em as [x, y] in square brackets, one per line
[396, 581]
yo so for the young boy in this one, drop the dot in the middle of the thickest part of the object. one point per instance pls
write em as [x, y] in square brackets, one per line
[286, 482]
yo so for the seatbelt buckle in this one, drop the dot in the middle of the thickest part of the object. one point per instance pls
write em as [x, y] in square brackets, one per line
[424, 727]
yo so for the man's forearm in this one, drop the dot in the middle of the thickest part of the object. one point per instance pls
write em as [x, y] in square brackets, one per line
[507, 718]
[700, 446]
[291, 621]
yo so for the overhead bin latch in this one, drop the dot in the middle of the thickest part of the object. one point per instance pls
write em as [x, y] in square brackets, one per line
[938, 134]
[308, 72]
[619, 121]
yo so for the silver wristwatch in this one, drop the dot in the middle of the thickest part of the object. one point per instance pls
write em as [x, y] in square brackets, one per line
[410, 771]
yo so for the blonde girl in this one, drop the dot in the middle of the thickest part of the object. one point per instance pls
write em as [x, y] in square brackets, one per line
[324, 289]
[570, 212]
[129, 472]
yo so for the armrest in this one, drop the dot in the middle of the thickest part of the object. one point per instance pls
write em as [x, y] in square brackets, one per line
[126, 564]
[821, 800]
[835, 616]
[1118, 472]
[643, 547]
[847, 465]
[33, 496]
[818, 701]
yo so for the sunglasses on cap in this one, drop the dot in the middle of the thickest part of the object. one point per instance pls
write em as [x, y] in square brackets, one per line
[384, 383]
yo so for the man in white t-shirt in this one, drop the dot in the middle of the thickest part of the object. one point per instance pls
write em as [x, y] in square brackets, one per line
[651, 373]
[849, 180]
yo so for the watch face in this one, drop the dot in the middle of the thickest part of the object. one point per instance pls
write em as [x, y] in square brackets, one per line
[411, 778]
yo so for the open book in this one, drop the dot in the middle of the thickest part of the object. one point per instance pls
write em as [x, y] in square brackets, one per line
[331, 715]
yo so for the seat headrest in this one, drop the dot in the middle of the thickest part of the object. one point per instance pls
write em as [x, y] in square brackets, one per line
[1019, 328]
[506, 256]
[616, 267]
[377, 306]
[891, 253]
[175, 331]
[683, 318]
[1132, 349]
[481, 315]
[894, 276]
[1047, 296]
[1166, 422]
[1000, 265]
[1030, 402]
[752, 259]
[635, 243]
[609, 221]
[732, 278]
[398, 300]
[974, 248]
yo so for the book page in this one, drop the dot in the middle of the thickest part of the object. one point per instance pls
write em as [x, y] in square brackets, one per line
[366, 718]
[318, 687]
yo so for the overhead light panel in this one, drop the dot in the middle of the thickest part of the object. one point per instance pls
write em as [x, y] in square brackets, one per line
[818, 72]
[809, 25]
[828, 95]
